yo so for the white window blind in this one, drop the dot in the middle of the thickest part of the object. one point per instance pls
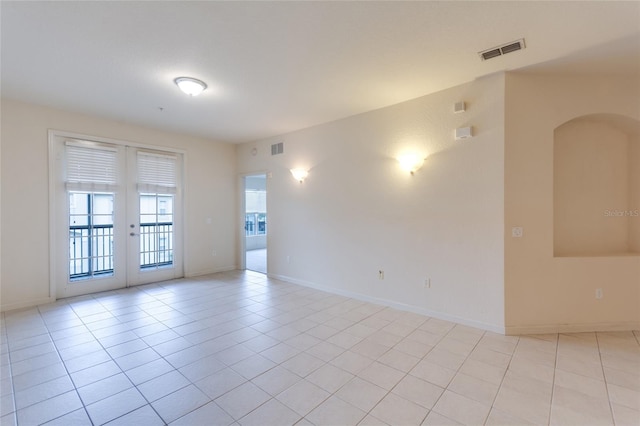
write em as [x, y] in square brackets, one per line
[157, 173]
[91, 167]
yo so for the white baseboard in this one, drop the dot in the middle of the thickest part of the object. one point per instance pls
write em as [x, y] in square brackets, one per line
[393, 304]
[26, 304]
[516, 330]
[210, 271]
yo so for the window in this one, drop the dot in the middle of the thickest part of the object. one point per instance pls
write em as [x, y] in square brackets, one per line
[156, 230]
[157, 177]
[91, 181]
[90, 234]
[262, 223]
[255, 224]
[255, 216]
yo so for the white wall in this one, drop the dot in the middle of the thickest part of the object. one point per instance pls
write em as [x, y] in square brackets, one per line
[358, 213]
[210, 192]
[544, 293]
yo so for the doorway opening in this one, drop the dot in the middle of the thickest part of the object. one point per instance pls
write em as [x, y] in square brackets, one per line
[255, 223]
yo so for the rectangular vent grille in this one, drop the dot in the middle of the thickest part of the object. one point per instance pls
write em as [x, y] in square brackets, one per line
[491, 54]
[277, 148]
[511, 48]
[502, 50]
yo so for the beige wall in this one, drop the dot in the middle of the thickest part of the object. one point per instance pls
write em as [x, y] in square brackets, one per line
[543, 292]
[210, 192]
[358, 212]
[634, 193]
[593, 187]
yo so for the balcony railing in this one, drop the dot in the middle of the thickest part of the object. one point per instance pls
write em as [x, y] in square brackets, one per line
[156, 244]
[91, 248]
[90, 251]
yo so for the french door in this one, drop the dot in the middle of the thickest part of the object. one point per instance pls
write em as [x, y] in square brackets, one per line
[116, 215]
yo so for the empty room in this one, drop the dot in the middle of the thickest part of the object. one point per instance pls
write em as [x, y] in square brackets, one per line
[320, 213]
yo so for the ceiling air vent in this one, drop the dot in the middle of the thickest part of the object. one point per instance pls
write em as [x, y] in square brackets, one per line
[277, 148]
[502, 50]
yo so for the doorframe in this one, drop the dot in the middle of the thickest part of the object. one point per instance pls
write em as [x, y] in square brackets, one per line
[242, 206]
[54, 233]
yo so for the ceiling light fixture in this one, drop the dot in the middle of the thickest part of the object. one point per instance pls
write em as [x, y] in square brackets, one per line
[190, 86]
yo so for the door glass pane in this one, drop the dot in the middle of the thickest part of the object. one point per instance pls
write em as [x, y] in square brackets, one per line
[156, 230]
[262, 223]
[250, 224]
[255, 212]
[90, 234]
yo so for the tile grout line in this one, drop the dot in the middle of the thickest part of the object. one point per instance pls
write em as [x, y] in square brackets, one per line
[135, 386]
[388, 392]
[606, 383]
[329, 363]
[84, 406]
[444, 389]
[502, 379]
[65, 366]
[553, 380]
[13, 388]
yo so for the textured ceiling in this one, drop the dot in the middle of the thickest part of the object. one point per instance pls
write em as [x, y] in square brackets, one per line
[276, 67]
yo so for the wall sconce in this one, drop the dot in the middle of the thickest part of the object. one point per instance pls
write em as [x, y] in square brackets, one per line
[410, 162]
[299, 174]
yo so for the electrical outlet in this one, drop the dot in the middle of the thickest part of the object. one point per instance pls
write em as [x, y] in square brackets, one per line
[288, 259]
[381, 274]
[427, 283]
[598, 293]
[214, 253]
[517, 232]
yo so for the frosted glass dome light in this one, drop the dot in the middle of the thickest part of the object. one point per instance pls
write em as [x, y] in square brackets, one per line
[190, 86]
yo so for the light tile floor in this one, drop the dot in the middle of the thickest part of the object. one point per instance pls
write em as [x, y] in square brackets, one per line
[238, 348]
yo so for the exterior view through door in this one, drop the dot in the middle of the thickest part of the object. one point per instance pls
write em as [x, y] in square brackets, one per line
[116, 215]
[255, 223]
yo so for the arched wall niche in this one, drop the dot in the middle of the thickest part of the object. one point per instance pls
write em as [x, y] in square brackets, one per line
[596, 186]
